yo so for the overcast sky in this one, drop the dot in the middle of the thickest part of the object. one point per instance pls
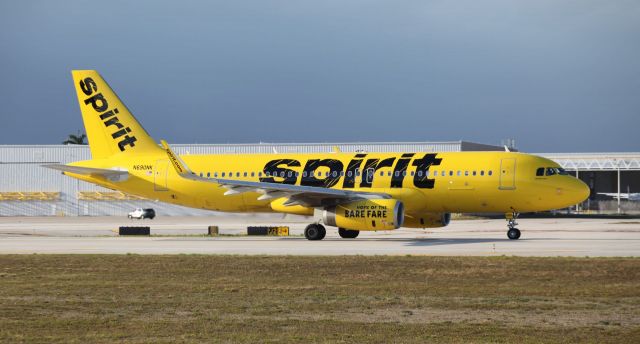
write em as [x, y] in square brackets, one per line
[558, 76]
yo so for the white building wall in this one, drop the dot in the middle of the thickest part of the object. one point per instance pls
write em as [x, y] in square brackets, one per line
[20, 171]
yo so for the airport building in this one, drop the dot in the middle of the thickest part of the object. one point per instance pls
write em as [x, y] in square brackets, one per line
[27, 189]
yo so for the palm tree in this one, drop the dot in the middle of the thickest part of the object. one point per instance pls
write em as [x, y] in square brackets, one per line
[76, 139]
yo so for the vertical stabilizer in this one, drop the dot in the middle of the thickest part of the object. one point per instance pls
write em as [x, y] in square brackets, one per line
[111, 128]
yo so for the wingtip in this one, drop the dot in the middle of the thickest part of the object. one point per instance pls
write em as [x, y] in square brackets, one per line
[52, 166]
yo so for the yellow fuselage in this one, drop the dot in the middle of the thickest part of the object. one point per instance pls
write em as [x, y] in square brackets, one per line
[458, 182]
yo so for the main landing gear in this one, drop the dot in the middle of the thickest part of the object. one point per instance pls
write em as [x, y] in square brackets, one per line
[348, 233]
[315, 231]
[513, 233]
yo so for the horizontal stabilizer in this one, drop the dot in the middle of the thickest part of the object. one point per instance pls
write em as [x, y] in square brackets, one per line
[113, 175]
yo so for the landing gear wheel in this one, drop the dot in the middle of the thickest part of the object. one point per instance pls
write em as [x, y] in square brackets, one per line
[315, 231]
[348, 233]
[513, 233]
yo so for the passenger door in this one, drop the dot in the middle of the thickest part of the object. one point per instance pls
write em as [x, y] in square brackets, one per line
[160, 170]
[507, 174]
[368, 175]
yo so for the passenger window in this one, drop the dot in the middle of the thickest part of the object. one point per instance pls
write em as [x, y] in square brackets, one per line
[450, 173]
[381, 174]
[458, 174]
[208, 174]
[245, 174]
[482, 173]
[404, 173]
[490, 172]
[397, 173]
[540, 172]
[259, 174]
[200, 174]
[341, 173]
[215, 174]
[550, 171]
[474, 173]
[389, 173]
[419, 173]
[304, 174]
[435, 173]
[253, 174]
[466, 173]
[223, 174]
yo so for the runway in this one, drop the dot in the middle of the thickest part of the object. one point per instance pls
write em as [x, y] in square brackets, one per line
[185, 235]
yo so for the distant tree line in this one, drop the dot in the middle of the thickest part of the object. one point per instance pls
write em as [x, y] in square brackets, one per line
[79, 139]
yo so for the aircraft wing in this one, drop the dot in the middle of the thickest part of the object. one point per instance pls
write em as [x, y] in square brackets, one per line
[114, 175]
[309, 196]
[630, 196]
[615, 195]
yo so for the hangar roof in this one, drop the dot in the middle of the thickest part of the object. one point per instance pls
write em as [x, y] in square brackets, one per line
[570, 161]
[595, 161]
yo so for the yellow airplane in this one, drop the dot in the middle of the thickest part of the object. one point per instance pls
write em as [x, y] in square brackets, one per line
[352, 191]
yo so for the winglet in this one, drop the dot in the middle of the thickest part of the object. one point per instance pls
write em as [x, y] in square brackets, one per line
[177, 163]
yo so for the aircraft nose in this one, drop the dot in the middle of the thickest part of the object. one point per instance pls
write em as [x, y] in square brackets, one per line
[579, 191]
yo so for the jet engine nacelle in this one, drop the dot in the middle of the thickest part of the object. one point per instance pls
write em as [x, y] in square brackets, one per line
[427, 220]
[366, 215]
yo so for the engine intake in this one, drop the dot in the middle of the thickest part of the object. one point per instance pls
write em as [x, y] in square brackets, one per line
[366, 215]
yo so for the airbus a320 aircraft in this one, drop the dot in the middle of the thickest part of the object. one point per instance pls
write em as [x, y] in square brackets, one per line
[352, 191]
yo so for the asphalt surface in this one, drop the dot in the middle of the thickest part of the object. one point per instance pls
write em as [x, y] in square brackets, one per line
[186, 235]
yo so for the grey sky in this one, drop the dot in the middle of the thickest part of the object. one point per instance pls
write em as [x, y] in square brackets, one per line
[555, 75]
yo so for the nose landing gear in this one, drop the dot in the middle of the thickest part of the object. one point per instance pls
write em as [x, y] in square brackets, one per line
[513, 233]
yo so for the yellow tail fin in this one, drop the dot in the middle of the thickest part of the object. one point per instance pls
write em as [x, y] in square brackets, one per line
[111, 128]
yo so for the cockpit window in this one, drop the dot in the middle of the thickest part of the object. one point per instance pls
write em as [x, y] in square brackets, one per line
[550, 171]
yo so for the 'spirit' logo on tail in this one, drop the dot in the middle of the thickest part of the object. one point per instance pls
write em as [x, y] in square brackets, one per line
[108, 116]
